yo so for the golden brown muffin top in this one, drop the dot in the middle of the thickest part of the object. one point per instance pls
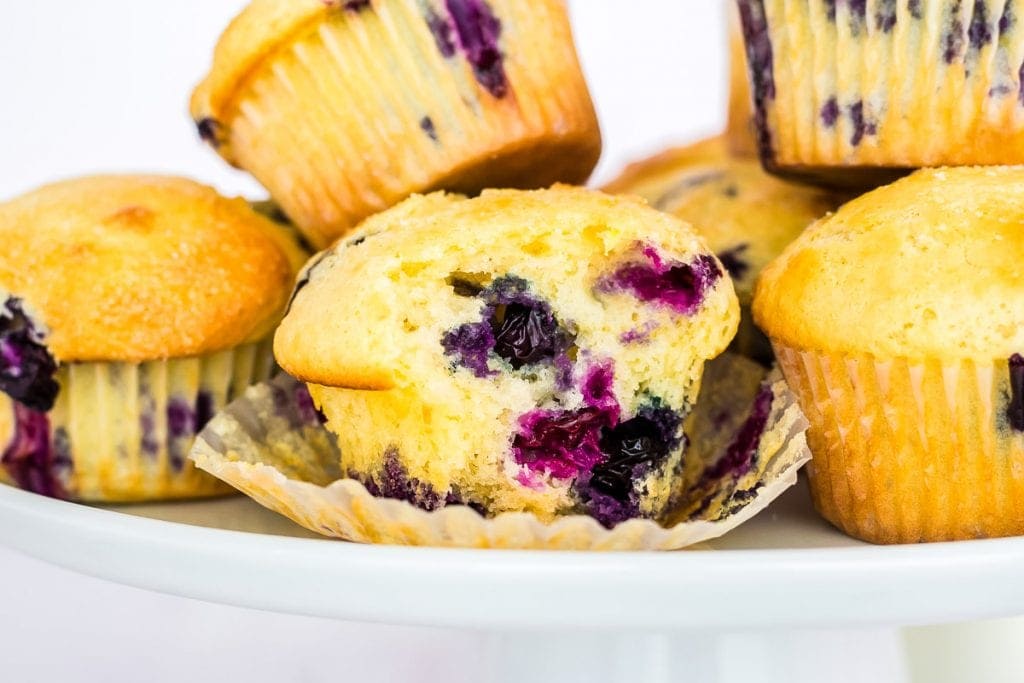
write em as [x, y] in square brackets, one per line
[365, 311]
[134, 268]
[929, 266]
[260, 29]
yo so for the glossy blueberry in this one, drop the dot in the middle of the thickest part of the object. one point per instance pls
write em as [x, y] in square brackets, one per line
[524, 334]
[26, 367]
[733, 261]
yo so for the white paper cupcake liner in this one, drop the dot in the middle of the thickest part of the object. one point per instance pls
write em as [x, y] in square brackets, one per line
[271, 446]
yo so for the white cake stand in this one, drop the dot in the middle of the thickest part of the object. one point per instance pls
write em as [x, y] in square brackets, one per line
[782, 590]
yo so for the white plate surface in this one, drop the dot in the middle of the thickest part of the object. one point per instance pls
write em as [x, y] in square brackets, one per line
[785, 568]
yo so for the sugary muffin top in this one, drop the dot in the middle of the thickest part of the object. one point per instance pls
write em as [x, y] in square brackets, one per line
[133, 268]
[370, 313]
[929, 266]
[747, 216]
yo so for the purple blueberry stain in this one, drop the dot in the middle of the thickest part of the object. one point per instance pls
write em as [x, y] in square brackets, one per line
[734, 262]
[914, 8]
[761, 66]
[441, 29]
[830, 9]
[204, 409]
[354, 6]
[1015, 408]
[147, 426]
[885, 15]
[478, 32]
[638, 335]
[861, 124]
[953, 40]
[30, 458]
[211, 131]
[561, 443]
[681, 287]
[830, 112]
[1006, 19]
[470, 347]
[427, 126]
[858, 15]
[739, 456]
[26, 366]
[393, 481]
[979, 32]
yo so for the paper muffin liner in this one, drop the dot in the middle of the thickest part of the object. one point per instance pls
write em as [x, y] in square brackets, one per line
[886, 84]
[121, 432]
[367, 107]
[271, 445]
[908, 451]
[740, 129]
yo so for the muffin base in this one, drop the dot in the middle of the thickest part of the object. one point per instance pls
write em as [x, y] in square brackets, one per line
[906, 451]
[121, 432]
[272, 446]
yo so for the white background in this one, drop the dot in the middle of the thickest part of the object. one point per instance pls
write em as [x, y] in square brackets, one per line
[103, 86]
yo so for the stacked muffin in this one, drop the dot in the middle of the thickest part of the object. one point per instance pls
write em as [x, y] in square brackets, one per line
[896, 320]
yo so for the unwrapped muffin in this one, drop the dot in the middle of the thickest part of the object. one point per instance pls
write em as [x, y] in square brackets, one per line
[899, 323]
[747, 216]
[859, 87]
[521, 351]
[342, 109]
[131, 309]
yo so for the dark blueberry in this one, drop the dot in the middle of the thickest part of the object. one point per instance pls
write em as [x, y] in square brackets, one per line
[635, 441]
[733, 261]
[681, 287]
[524, 335]
[885, 15]
[181, 419]
[307, 410]
[861, 126]
[352, 5]
[478, 31]
[614, 480]
[147, 425]
[830, 112]
[830, 9]
[204, 409]
[30, 458]
[562, 442]
[211, 131]
[762, 71]
[914, 7]
[26, 367]
[1015, 410]
[1006, 19]
[516, 326]
[953, 43]
[393, 481]
[739, 456]
[731, 191]
[858, 15]
[441, 29]
[470, 345]
[979, 33]
[427, 126]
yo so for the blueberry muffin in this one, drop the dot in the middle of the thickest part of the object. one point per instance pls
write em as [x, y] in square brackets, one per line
[857, 91]
[131, 309]
[741, 130]
[747, 216]
[520, 351]
[899, 323]
[342, 109]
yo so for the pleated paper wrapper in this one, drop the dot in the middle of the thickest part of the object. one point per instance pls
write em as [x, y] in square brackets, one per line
[270, 445]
